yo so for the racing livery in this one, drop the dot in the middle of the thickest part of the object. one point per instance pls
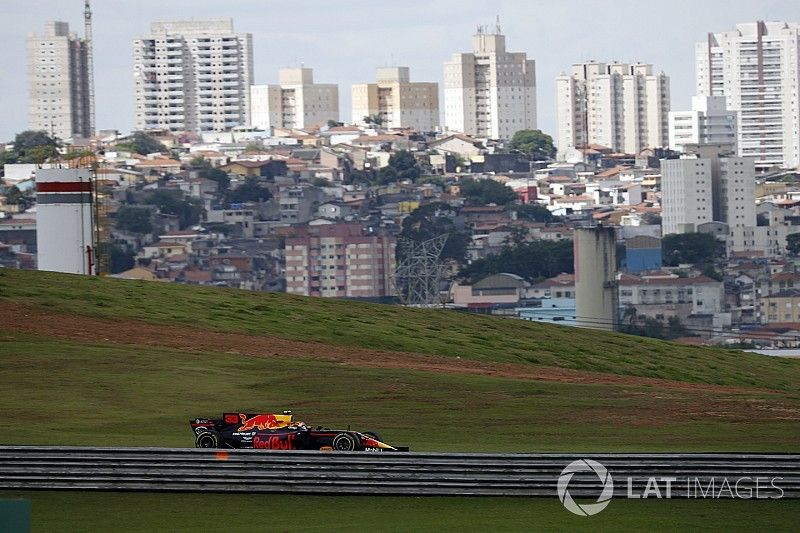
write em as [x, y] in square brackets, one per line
[267, 431]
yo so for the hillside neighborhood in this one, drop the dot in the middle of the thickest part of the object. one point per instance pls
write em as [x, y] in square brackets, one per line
[321, 212]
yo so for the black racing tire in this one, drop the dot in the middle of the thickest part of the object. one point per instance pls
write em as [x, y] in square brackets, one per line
[207, 439]
[373, 435]
[345, 442]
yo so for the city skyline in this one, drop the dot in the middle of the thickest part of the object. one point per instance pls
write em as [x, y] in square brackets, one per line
[342, 50]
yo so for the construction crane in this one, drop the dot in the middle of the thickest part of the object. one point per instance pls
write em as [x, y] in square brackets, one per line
[87, 21]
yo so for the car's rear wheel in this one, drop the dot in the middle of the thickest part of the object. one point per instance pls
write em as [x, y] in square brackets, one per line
[207, 439]
[344, 442]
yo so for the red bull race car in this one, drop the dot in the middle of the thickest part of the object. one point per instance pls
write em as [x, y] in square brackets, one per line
[267, 431]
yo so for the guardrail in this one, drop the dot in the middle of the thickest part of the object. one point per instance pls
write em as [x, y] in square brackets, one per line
[305, 472]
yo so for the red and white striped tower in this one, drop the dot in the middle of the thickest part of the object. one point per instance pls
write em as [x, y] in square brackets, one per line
[64, 236]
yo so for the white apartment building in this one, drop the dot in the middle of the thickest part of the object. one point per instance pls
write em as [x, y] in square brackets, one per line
[623, 107]
[193, 75]
[709, 184]
[661, 296]
[59, 100]
[756, 68]
[296, 102]
[490, 92]
[397, 101]
[686, 195]
[709, 122]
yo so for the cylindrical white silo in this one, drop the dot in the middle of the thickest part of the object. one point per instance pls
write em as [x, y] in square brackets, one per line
[597, 299]
[64, 236]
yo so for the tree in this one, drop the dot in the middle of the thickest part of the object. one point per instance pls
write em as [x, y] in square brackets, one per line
[653, 219]
[250, 191]
[375, 120]
[675, 328]
[630, 314]
[533, 143]
[34, 147]
[134, 219]
[122, 258]
[691, 248]
[405, 164]
[187, 211]
[200, 162]
[713, 273]
[533, 261]
[205, 170]
[334, 124]
[387, 174]
[534, 212]
[360, 176]
[142, 143]
[793, 244]
[486, 191]
[30, 139]
[256, 146]
[434, 219]
[15, 197]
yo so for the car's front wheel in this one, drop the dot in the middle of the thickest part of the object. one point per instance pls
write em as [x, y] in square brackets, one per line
[344, 442]
[373, 435]
[207, 439]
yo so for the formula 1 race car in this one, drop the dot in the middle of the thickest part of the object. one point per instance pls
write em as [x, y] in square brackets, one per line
[268, 431]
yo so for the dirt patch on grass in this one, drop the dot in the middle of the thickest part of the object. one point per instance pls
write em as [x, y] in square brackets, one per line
[39, 321]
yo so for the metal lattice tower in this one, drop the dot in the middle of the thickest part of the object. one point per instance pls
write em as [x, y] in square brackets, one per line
[418, 274]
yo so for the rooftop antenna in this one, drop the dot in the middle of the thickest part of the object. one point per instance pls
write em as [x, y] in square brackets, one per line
[87, 20]
[497, 26]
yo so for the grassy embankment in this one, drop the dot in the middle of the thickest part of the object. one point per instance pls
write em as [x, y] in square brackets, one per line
[347, 323]
[95, 392]
[99, 393]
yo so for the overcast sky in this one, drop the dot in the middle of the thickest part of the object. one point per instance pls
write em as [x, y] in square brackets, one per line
[345, 40]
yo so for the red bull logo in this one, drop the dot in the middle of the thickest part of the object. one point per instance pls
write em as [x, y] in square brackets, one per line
[259, 422]
[274, 442]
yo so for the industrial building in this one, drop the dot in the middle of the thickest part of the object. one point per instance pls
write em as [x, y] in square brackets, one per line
[596, 295]
[64, 221]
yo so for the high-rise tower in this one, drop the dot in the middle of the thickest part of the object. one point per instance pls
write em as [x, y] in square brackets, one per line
[756, 67]
[59, 99]
[490, 92]
[193, 75]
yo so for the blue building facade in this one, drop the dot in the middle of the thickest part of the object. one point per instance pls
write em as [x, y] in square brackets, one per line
[642, 253]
